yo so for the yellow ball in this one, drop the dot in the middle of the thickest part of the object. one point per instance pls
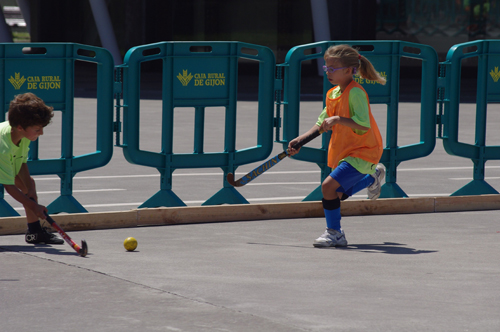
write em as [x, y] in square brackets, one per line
[130, 243]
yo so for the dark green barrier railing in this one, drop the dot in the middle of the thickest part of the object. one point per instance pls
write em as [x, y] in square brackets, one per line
[190, 71]
[488, 91]
[48, 70]
[386, 57]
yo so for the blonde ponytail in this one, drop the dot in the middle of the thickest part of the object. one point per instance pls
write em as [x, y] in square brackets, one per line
[349, 57]
[366, 70]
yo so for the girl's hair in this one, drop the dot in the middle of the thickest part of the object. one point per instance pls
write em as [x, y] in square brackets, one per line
[28, 110]
[350, 57]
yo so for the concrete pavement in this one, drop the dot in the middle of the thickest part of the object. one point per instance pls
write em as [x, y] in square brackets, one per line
[406, 272]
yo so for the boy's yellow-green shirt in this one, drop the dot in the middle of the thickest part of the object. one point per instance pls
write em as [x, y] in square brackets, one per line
[11, 156]
[358, 110]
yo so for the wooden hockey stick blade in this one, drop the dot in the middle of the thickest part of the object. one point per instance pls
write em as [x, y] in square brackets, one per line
[230, 179]
[256, 172]
[269, 163]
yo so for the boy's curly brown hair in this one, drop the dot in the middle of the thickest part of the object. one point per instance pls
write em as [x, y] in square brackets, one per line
[27, 110]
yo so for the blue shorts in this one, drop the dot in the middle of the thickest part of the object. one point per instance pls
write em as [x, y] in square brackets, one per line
[347, 176]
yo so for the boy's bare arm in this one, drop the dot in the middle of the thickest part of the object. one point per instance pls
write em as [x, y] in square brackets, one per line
[29, 199]
[15, 193]
[25, 176]
[39, 210]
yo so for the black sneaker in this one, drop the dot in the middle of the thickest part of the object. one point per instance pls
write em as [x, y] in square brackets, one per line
[42, 237]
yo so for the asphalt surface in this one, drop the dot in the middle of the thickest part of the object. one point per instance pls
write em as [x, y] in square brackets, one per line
[412, 272]
[419, 272]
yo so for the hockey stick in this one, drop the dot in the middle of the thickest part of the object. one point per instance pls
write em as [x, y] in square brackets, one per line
[268, 164]
[82, 251]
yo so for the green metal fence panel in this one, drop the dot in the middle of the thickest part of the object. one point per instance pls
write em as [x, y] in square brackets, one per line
[386, 57]
[205, 74]
[48, 70]
[198, 75]
[488, 91]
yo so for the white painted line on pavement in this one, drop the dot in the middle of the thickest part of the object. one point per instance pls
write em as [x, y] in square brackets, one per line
[469, 179]
[243, 173]
[80, 191]
[268, 199]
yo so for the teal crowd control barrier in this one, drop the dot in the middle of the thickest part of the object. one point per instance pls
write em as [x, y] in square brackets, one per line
[488, 91]
[48, 70]
[386, 57]
[197, 75]
[204, 74]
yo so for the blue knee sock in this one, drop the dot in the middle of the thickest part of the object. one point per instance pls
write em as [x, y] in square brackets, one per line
[332, 213]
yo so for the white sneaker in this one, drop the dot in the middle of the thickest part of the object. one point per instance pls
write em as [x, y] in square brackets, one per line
[376, 186]
[331, 238]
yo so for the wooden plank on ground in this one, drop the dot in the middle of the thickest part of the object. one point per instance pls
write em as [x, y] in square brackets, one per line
[246, 212]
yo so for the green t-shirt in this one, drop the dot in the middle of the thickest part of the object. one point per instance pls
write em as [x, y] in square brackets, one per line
[359, 113]
[11, 156]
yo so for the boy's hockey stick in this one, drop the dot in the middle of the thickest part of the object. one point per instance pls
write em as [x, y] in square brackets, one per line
[82, 251]
[268, 164]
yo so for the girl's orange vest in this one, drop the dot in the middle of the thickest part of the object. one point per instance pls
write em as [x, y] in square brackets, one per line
[344, 141]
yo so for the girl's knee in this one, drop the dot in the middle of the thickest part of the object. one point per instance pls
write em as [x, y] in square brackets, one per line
[329, 188]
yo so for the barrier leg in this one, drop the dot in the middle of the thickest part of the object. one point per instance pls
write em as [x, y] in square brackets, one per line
[392, 190]
[475, 187]
[65, 203]
[163, 198]
[226, 196]
[6, 210]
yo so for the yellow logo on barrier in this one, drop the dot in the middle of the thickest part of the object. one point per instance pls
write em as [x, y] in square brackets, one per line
[362, 80]
[202, 79]
[17, 81]
[184, 78]
[495, 74]
[36, 82]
